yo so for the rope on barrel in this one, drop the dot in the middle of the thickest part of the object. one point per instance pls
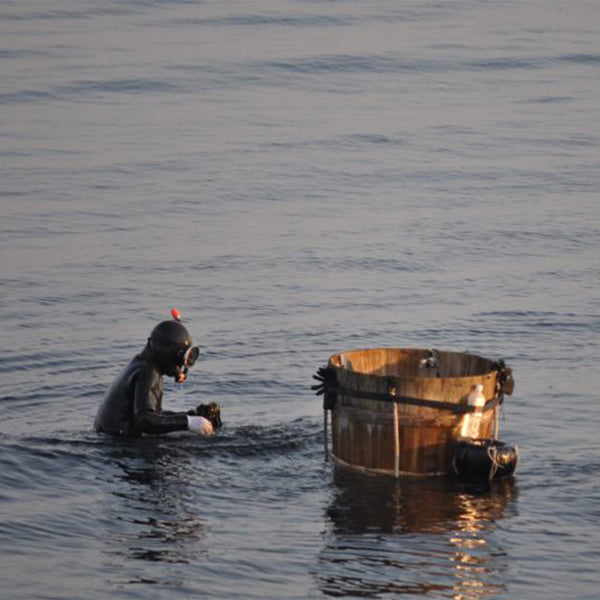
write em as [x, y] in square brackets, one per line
[497, 464]
[436, 404]
[505, 384]
[492, 453]
[327, 387]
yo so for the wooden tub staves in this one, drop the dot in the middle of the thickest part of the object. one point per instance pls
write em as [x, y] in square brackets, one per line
[401, 411]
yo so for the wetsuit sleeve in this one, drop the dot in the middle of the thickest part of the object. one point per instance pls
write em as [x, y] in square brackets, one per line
[191, 413]
[146, 407]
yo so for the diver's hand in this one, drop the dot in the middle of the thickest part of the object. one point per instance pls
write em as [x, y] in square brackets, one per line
[199, 425]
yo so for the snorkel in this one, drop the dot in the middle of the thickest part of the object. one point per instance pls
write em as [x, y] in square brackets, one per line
[190, 354]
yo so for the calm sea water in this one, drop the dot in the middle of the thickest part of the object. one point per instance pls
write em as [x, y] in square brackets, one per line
[298, 178]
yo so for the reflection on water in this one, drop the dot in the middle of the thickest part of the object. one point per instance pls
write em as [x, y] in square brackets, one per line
[414, 536]
[151, 506]
[175, 532]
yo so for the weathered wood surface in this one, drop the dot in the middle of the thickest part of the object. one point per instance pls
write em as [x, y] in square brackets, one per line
[363, 431]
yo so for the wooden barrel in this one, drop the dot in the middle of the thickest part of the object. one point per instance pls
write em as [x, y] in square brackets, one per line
[400, 411]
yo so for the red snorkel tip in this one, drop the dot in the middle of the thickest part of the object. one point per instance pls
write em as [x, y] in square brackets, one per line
[175, 314]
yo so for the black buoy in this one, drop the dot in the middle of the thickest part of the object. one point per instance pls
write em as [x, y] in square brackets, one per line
[485, 459]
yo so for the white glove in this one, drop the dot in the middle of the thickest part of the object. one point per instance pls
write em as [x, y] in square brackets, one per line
[199, 425]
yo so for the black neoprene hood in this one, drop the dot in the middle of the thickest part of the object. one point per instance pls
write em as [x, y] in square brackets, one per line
[168, 343]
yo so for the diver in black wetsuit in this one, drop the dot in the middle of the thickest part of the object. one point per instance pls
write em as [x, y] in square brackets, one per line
[133, 404]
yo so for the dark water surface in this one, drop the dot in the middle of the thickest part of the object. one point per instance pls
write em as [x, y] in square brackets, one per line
[298, 178]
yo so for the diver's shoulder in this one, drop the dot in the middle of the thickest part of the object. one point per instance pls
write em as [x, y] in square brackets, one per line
[141, 365]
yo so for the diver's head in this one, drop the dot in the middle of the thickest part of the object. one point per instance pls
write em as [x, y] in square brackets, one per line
[172, 349]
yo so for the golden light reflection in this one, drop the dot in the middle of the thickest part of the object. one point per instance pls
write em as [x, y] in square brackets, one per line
[471, 561]
[414, 537]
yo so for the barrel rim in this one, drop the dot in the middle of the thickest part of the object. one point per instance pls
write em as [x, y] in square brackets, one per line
[340, 367]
